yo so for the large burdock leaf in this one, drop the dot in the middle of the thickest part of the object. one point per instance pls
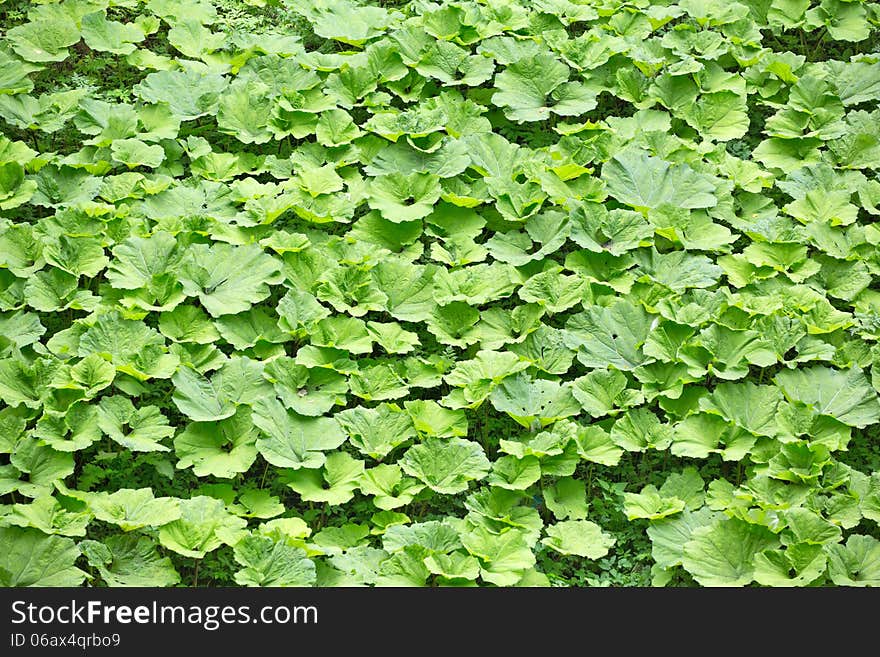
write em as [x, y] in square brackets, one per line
[532, 88]
[678, 270]
[139, 261]
[610, 335]
[446, 466]
[651, 504]
[503, 557]
[669, 535]
[271, 562]
[130, 560]
[135, 153]
[334, 484]
[42, 466]
[431, 419]
[350, 290]
[643, 181]
[223, 289]
[14, 189]
[581, 538]
[723, 553]
[189, 93]
[401, 197]
[203, 526]
[798, 565]
[376, 431]
[132, 508]
[345, 21]
[44, 40]
[567, 499]
[513, 473]
[702, 434]
[132, 347]
[528, 400]
[454, 324]
[479, 376]
[389, 488]
[844, 395]
[220, 449]
[553, 291]
[70, 431]
[855, 564]
[30, 558]
[244, 111]
[746, 405]
[434, 536]
[79, 255]
[306, 391]
[604, 392]
[110, 36]
[201, 399]
[26, 383]
[137, 429]
[291, 440]
[47, 515]
[239, 381]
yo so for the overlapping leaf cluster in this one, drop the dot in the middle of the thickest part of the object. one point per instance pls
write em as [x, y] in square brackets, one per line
[368, 311]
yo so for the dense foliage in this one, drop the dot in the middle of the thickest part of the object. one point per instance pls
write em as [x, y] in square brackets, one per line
[495, 292]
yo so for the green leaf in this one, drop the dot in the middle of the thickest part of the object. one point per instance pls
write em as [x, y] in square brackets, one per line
[269, 562]
[513, 473]
[723, 553]
[240, 380]
[146, 426]
[189, 93]
[44, 40]
[670, 535]
[132, 509]
[503, 557]
[130, 560]
[431, 419]
[651, 504]
[291, 440]
[335, 128]
[446, 466]
[43, 466]
[844, 395]
[645, 182]
[567, 499]
[375, 432]
[581, 538]
[243, 111]
[528, 400]
[611, 335]
[389, 488]
[797, 565]
[220, 449]
[403, 197]
[857, 563]
[203, 526]
[135, 153]
[110, 36]
[532, 88]
[205, 274]
[306, 391]
[334, 484]
[30, 558]
[746, 405]
[602, 392]
[47, 515]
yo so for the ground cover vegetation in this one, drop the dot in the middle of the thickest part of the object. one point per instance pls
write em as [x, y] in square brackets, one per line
[495, 292]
